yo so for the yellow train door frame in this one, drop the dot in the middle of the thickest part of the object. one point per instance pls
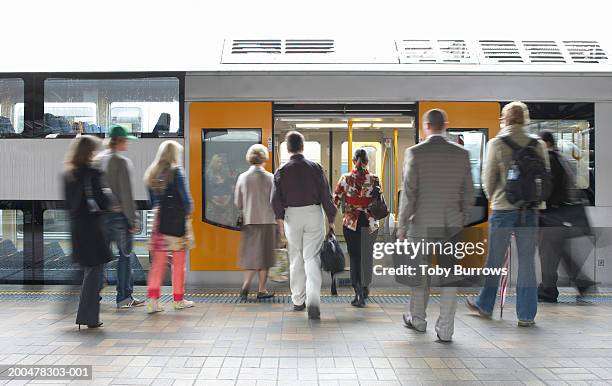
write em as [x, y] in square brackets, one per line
[216, 246]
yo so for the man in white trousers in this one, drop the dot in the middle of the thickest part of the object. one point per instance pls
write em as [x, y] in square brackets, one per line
[300, 196]
[436, 201]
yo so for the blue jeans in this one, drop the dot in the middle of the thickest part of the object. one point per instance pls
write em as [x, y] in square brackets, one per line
[501, 226]
[118, 231]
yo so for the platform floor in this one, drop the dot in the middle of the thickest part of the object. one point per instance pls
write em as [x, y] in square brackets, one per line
[234, 343]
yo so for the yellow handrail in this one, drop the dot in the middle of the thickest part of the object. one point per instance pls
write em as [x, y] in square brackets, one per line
[382, 167]
[349, 157]
[396, 148]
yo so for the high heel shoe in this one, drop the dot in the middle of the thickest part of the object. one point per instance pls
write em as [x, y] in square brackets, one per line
[91, 325]
[244, 294]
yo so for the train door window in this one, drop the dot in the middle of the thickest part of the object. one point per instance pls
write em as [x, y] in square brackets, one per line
[11, 245]
[573, 141]
[474, 141]
[374, 155]
[223, 160]
[11, 95]
[312, 151]
[139, 104]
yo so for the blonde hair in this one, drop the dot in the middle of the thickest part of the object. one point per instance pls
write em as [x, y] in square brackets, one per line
[81, 152]
[515, 113]
[257, 154]
[169, 156]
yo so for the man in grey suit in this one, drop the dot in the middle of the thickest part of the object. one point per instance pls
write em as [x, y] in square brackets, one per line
[436, 200]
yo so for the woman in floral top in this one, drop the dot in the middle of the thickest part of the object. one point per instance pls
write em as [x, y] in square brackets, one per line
[357, 189]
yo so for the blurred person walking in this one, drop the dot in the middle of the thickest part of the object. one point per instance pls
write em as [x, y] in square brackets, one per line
[435, 204]
[563, 219]
[357, 189]
[258, 229]
[504, 171]
[172, 234]
[300, 196]
[86, 201]
[123, 223]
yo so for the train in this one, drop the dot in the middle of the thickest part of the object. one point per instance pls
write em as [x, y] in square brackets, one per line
[254, 91]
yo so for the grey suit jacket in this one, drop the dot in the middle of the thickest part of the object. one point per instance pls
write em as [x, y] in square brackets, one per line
[437, 191]
[252, 196]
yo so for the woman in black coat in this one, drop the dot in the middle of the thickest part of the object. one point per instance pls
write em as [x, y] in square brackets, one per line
[86, 199]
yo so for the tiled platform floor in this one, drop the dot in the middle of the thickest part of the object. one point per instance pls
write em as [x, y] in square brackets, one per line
[269, 344]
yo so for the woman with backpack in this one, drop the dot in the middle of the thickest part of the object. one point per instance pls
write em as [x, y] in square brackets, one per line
[172, 234]
[86, 200]
[357, 189]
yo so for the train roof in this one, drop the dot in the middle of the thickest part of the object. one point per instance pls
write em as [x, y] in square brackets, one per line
[232, 36]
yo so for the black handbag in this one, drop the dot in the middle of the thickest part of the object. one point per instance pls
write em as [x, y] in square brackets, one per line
[571, 217]
[172, 212]
[332, 257]
[378, 206]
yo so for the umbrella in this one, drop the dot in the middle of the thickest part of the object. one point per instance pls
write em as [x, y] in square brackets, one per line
[503, 286]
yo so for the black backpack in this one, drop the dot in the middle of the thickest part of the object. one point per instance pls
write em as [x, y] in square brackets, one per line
[528, 183]
[172, 211]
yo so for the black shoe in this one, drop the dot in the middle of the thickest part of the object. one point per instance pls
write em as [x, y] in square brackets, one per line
[264, 295]
[314, 313]
[366, 293]
[244, 294]
[408, 323]
[300, 307]
[546, 299]
[359, 300]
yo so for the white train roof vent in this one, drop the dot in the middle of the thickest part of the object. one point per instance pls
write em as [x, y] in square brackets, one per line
[309, 46]
[434, 51]
[585, 51]
[499, 52]
[307, 51]
[543, 51]
[253, 46]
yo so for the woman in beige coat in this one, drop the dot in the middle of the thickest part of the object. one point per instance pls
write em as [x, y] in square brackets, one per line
[258, 232]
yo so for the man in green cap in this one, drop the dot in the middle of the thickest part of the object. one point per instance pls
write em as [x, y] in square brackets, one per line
[122, 223]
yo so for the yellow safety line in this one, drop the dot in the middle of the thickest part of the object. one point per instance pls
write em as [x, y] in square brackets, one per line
[237, 294]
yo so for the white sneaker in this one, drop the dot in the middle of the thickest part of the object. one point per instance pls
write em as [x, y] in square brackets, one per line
[153, 306]
[183, 304]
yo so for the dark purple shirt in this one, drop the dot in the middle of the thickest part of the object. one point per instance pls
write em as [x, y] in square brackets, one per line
[301, 182]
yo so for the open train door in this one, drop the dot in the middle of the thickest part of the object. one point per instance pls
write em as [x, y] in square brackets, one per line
[219, 135]
[471, 124]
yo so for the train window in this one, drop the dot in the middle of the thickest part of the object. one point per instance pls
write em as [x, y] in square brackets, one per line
[58, 265]
[573, 141]
[374, 155]
[128, 117]
[91, 105]
[11, 95]
[11, 245]
[312, 151]
[223, 160]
